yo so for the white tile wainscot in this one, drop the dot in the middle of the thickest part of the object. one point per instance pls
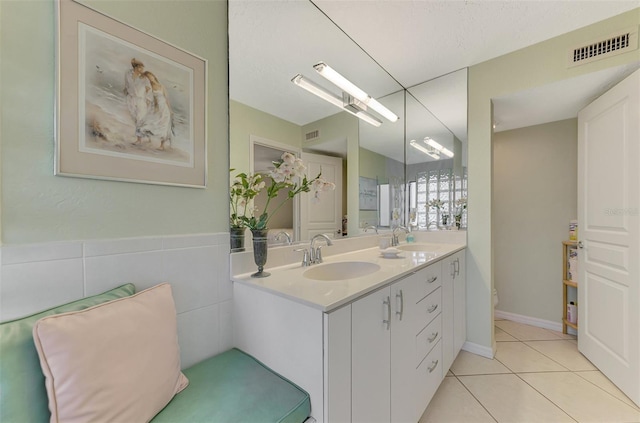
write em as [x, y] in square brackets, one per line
[36, 277]
[329, 337]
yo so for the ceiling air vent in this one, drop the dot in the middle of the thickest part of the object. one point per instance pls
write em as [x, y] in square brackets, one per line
[619, 43]
[313, 135]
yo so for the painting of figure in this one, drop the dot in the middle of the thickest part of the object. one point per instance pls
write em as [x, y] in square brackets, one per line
[137, 104]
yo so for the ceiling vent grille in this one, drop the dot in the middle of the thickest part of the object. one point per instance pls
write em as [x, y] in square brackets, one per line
[619, 43]
[313, 135]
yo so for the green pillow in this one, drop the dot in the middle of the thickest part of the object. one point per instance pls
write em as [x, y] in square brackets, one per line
[23, 396]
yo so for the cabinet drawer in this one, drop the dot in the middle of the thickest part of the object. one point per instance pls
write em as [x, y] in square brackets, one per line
[430, 279]
[428, 308]
[430, 375]
[428, 338]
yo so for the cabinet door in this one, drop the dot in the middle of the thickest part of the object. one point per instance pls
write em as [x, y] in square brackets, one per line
[371, 358]
[459, 304]
[448, 280]
[403, 350]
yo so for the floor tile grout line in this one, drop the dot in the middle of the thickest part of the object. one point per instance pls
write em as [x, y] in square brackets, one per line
[479, 402]
[604, 390]
[547, 398]
[566, 371]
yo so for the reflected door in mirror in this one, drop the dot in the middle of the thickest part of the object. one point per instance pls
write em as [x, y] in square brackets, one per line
[323, 216]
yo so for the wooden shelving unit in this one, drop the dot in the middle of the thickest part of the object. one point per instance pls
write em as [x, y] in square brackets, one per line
[566, 283]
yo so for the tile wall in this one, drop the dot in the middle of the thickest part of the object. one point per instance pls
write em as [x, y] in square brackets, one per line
[40, 276]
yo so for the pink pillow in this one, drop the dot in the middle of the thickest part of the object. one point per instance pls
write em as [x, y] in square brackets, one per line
[117, 361]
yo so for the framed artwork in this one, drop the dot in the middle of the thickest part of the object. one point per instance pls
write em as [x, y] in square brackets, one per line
[129, 107]
[368, 193]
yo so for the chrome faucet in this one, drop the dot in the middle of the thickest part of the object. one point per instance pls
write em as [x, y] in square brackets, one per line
[285, 234]
[394, 238]
[315, 252]
[374, 227]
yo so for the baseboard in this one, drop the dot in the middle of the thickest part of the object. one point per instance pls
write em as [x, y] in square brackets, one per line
[478, 349]
[531, 321]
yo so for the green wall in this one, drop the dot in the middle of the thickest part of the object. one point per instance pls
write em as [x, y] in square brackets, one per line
[344, 127]
[37, 206]
[534, 66]
[246, 121]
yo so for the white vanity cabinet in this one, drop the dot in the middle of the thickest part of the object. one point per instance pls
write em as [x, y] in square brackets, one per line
[454, 307]
[393, 330]
[378, 358]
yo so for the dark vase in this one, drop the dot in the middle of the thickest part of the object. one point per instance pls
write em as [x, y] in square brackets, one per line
[445, 219]
[458, 221]
[260, 251]
[237, 239]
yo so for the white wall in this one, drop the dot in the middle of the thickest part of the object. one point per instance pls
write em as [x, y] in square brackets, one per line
[36, 277]
[534, 198]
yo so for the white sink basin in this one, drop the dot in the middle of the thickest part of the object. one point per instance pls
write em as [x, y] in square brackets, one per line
[341, 270]
[419, 247]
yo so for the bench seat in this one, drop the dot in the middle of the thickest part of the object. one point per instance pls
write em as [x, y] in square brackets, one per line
[235, 387]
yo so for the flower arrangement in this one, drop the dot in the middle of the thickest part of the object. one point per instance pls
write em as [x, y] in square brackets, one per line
[461, 206]
[246, 187]
[436, 203]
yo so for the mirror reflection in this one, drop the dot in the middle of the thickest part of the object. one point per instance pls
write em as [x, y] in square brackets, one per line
[382, 179]
[269, 44]
[435, 169]
[381, 171]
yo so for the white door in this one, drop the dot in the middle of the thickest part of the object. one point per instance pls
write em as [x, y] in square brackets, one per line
[325, 215]
[609, 232]
[371, 358]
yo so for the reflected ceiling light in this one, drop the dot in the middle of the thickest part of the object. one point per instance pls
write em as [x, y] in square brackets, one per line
[347, 86]
[425, 150]
[316, 89]
[438, 147]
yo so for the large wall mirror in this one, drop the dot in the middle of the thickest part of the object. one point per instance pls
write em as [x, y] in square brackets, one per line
[382, 179]
[436, 159]
[269, 44]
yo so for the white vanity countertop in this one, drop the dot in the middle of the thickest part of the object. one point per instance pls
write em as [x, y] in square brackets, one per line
[289, 282]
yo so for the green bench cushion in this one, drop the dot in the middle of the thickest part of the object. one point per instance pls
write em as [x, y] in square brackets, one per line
[235, 387]
[23, 396]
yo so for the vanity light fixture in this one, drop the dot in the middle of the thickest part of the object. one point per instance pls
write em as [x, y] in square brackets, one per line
[425, 150]
[438, 147]
[347, 86]
[316, 89]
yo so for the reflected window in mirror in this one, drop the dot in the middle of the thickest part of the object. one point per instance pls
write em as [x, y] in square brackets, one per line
[439, 196]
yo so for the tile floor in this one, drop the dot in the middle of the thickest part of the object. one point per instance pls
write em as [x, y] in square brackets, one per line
[538, 375]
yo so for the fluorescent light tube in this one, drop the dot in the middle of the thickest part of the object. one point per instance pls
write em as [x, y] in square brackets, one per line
[438, 147]
[366, 117]
[316, 89]
[342, 82]
[347, 86]
[417, 146]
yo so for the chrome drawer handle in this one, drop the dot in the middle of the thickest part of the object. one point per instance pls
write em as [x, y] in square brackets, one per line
[432, 337]
[433, 366]
[432, 279]
[401, 311]
[432, 308]
[387, 321]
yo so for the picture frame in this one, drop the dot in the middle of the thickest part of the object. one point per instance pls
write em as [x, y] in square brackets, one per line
[368, 193]
[129, 106]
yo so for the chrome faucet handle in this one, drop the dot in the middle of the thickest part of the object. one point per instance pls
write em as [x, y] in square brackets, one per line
[318, 254]
[306, 261]
[285, 234]
[374, 227]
